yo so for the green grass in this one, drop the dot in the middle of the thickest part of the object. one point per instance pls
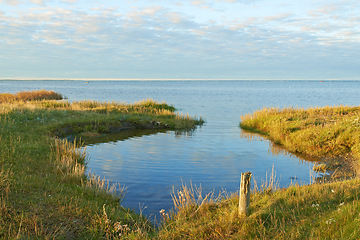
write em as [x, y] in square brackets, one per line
[328, 131]
[317, 211]
[330, 134]
[44, 192]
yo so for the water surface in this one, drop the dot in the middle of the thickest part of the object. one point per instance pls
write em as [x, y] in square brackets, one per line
[151, 164]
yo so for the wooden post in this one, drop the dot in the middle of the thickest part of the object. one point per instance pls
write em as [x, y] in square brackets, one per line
[244, 195]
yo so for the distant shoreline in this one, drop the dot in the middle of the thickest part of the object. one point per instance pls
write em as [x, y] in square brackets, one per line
[166, 79]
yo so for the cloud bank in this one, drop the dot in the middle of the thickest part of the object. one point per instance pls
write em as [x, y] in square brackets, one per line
[224, 39]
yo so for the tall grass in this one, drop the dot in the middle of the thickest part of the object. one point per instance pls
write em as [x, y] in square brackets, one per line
[142, 107]
[4, 193]
[327, 132]
[103, 186]
[317, 211]
[70, 160]
[30, 96]
[45, 192]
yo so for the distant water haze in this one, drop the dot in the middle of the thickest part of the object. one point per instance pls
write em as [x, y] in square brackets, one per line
[151, 165]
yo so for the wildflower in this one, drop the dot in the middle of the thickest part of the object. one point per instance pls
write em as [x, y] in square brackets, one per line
[163, 214]
[330, 221]
[315, 206]
[121, 229]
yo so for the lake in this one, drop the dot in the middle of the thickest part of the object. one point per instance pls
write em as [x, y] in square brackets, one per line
[151, 165]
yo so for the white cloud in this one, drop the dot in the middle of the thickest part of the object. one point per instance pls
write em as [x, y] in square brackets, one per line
[39, 2]
[10, 2]
[141, 37]
[70, 1]
[174, 17]
[138, 15]
[282, 16]
[202, 4]
[17, 2]
[327, 9]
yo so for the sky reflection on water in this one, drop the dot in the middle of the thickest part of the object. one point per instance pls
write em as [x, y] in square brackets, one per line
[150, 165]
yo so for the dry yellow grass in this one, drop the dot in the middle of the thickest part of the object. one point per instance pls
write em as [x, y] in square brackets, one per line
[30, 96]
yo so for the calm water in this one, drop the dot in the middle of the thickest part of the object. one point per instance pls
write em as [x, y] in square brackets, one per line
[150, 165]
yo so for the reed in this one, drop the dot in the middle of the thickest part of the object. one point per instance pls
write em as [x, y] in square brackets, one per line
[102, 186]
[70, 160]
[30, 96]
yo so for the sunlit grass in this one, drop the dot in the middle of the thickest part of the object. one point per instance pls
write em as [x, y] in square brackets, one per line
[316, 211]
[327, 132]
[45, 192]
[30, 96]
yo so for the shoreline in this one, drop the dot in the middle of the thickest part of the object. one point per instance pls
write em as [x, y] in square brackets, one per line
[45, 194]
[44, 189]
[328, 134]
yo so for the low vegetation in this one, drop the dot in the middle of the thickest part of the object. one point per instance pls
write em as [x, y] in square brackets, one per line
[45, 193]
[331, 134]
[317, 211]
[30, 96]
[44, 190]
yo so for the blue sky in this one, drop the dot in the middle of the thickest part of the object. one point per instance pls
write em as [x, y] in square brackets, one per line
[188, 39]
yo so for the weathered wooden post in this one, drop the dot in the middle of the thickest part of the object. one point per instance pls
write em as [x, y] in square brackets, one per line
[244, 195]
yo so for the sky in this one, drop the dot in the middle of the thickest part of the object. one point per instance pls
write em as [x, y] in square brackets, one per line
[180, 39]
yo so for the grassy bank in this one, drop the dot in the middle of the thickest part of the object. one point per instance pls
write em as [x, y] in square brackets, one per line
[331, 134]
[316, 211]
[44, 192]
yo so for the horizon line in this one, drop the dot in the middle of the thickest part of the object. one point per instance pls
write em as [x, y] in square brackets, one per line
[178, 79]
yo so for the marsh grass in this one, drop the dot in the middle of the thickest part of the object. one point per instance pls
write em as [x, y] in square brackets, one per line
[102, 186]
[331, 134]
[314, 131]
[145, 106]
[267, 185]
[191, 196]
[4, 193]
[317, 211]
[70, 160]
[30, 96]
[45, 192]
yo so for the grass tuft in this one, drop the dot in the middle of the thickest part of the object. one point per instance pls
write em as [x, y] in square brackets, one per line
[70, 160]
[104, 187]
[30, 96]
